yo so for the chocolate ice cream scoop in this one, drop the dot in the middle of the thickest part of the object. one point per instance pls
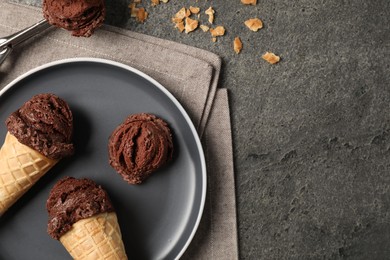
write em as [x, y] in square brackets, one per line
[139, 146]
[45, 124]
[81, 17]
[74, 199]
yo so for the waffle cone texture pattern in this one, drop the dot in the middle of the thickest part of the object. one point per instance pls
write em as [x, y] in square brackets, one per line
[96, 237]
[20, 168]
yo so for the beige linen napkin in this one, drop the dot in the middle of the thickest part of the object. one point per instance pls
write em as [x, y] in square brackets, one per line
[190, 74]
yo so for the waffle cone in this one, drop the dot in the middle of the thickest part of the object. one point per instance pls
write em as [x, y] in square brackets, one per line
[97, 237]
[20, 168]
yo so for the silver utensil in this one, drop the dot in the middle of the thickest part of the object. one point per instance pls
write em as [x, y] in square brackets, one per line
[8, 43]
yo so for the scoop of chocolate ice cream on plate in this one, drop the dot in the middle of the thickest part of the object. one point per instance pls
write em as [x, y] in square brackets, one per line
[139, 146]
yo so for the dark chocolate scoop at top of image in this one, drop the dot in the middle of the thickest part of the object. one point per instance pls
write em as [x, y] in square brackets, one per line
[81, 17]
[139, 146]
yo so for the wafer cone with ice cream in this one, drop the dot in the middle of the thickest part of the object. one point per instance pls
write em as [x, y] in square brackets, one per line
[82, 218]
[39, 135]
[20, 168]
[96, 237]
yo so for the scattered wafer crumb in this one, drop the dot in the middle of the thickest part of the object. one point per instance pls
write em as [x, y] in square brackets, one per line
[191, 25]
[177, 20]
[181, 14]
[188, 13]
[254, 24]
[188, 25]
[194, 10]
[133, 10]
[237, 45]
[217, 31]
[204, 28]
[249, 2]
[271, 57]
[183, 22]
[141, 15]
[180, 26]
[138, 13]
[210, 12]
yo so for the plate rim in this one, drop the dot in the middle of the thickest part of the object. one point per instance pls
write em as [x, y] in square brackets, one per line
[161, 88]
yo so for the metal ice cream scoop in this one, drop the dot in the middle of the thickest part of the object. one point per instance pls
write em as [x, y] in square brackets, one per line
[9, 42]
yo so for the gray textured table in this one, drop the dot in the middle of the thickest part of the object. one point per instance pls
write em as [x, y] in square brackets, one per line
[312, 133]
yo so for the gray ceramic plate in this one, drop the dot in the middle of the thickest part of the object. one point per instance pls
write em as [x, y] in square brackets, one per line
[158, 218]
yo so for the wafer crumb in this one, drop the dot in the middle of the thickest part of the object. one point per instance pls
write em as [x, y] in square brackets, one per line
[237, 45]
[141, 15]
[177, 20]
[194, 10]
[180, 26]
[188, 13]
[271, 57]
[181, 14]
[133, 10]
[138, 13]
[254, 24]
[214, 39]
[210, 12]
[249, 2]
[204, 28]
[164, 1]
[190, 25]
[155, 2]
[217, 31]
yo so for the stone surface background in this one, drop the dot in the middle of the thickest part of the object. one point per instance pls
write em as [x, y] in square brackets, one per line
[312, 133]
